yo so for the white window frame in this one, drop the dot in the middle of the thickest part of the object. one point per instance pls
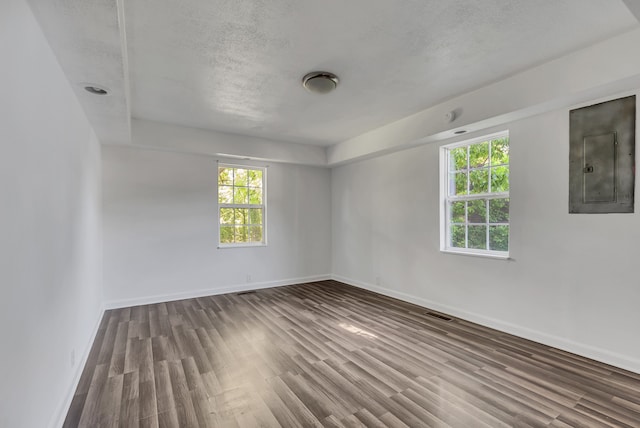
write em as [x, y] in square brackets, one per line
[445, 198]
[263, 206]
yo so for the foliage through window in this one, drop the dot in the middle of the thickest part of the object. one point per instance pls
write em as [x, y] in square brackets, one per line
[241, 205]
[475, 175]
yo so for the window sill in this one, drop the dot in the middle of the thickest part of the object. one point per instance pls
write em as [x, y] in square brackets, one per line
[252, 245]
[487, 255]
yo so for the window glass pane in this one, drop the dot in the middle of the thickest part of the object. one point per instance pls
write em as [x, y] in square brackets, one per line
[255, 216]
[479, 155]
[479, 181]
[255, 233]
[226, 234]
[458, 159]
[242, 234]
[500, 151]
[457, 237]
[225, 176]
[241, 186]
[478, 237]
[226, 216]
[458, 184]
[255, 196]
[240, 195]
[499, 238]
[241, 215]
[477, 211]
[456, 212]
[225, 194]
[241, 177]
[474, 171]
[500, 179]
[255, 178]
[499, 210]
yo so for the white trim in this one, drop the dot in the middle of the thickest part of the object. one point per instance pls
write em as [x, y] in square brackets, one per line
[242, 166]
[63, 408]
[444, 192]
[161, 298]
[477, 196]
[625, 362]
[480, 139]
[242, 245]
[500, 255]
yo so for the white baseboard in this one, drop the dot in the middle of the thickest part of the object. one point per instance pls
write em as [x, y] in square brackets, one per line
[63, 408]
[618, 360]
[125, 303]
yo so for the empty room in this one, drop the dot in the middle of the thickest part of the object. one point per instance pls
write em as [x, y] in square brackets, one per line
[364, 213]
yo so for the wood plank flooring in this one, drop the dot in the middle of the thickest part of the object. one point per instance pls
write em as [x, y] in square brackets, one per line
[327, 354]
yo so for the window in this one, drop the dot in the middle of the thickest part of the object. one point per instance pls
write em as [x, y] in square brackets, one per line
[475, 196]
[241, 205]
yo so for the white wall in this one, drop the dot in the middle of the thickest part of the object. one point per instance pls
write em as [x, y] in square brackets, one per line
[182, 139]
[160, 228]
[50, 259]
[573, 282]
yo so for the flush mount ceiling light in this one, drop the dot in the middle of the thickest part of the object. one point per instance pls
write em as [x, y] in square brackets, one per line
[95, 89]
[320, 82]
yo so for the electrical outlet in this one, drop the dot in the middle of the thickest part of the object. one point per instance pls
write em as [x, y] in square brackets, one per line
[377, 280]
[248, 277]
[73, 358]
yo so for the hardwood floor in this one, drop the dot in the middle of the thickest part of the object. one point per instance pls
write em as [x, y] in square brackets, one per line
[327, 354]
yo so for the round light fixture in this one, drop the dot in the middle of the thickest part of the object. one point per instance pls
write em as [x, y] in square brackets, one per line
[320, 82]
[95, 89]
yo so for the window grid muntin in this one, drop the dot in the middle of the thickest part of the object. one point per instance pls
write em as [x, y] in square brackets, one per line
[450, 196]
[487, 223]
[223, 205]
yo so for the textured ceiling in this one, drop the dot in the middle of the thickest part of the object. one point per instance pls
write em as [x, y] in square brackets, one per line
[236, 65]
[87, 39]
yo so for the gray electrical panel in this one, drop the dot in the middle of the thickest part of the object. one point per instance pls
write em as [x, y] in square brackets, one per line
[602, 157]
